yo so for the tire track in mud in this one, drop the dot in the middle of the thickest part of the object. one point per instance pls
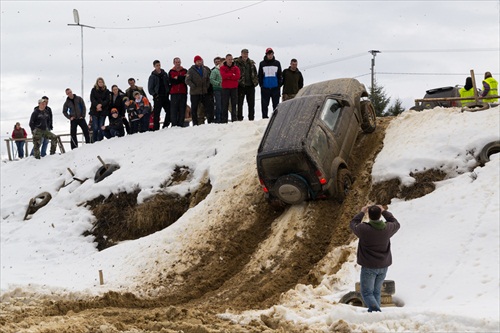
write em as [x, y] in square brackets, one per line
[251, 257]
[299, 240]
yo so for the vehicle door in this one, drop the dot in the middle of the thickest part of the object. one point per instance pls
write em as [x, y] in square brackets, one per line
[325, 137]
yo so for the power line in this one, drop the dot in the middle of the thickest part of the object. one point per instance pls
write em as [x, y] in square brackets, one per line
[184, 22]
[333, 61]
[442, 50]
[435, 74]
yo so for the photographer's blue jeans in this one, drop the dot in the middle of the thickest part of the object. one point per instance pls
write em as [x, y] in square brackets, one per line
[371, 281]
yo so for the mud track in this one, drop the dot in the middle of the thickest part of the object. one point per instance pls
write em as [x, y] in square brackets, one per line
[251, 257]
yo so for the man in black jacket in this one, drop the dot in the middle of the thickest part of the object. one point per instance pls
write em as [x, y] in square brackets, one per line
[159, 88]
[75, 110]
[374, 251]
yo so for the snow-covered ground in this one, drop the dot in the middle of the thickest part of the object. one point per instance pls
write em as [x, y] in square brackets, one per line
[445, 257]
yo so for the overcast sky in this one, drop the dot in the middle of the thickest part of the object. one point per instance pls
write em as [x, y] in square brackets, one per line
[423, 44]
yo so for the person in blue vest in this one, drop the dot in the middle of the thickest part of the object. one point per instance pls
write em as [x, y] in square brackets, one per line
[270, 81]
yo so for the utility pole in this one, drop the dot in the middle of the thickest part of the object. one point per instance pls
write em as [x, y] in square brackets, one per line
[76, 17]
[374, 53]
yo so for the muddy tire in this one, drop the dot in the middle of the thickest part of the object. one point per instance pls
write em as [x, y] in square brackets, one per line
[291, 190]
[488, 150]
[105, 171]
[38, 202]
[473, 107]
[388, 287]
[344, 184]
[353, 298]
[369, 117]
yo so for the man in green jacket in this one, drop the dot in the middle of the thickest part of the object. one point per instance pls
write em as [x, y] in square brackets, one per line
[246, 85]
[293, 81]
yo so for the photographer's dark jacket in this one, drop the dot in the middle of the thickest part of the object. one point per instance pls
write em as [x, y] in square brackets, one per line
[374, 248]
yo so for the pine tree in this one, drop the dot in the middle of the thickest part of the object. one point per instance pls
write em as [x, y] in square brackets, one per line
[396, 108]
[379, 99]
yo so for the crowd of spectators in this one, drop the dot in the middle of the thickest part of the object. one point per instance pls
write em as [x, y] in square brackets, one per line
[215, 93]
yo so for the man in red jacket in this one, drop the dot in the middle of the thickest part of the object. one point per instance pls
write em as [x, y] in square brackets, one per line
[374, 251]
[178, 93]
[230, 74]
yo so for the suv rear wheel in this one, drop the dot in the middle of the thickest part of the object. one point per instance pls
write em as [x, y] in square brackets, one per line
[369, 117]
[344, 184]
[291, 189]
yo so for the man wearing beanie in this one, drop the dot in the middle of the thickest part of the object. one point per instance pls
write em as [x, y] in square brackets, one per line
[198, 80]
[270, 81]
[374, 251]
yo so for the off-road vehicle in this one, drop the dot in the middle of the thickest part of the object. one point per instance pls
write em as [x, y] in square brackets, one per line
[304, 153]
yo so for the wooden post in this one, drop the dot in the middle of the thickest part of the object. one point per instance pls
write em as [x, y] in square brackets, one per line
[104, 164]
[71, 172]
[476, 97]
[101, 277]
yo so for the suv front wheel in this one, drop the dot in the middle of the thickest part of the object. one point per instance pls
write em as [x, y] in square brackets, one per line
[369, 117]
[291, 189]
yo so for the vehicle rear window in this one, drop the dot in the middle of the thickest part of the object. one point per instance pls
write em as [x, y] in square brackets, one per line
[276, 166]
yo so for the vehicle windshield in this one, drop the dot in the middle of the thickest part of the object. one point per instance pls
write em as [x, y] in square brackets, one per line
[330, 112]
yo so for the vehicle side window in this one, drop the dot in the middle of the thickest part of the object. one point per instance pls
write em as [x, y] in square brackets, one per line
[330, 113]
[319, 141]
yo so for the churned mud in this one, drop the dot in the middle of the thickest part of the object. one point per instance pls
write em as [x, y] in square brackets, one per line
[249, 259]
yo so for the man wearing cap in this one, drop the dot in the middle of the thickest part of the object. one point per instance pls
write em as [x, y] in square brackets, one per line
[374, 251]
[45, 142]
[159, 88]
[198, 80]
[246, 85]
[75, 110]
[292, 80]
[40, 124]
[270, 81]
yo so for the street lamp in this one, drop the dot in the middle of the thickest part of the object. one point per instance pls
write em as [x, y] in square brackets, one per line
[76, 17]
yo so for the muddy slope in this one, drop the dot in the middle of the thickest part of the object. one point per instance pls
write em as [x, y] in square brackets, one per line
[252, 257]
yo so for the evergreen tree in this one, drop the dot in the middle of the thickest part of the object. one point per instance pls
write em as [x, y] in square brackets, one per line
[379, 99]
[396, 108]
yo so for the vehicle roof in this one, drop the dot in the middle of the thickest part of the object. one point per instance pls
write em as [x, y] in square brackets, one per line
[350, 89]
[290, 123]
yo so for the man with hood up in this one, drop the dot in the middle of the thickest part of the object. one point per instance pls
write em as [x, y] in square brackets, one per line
[467, 91]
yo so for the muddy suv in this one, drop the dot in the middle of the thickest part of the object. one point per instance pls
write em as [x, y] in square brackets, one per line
[305, 150]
